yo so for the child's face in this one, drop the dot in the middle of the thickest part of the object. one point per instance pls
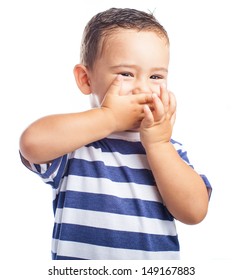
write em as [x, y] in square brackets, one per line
[141, 57]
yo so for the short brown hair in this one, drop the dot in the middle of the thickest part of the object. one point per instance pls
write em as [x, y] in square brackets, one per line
[104, 23]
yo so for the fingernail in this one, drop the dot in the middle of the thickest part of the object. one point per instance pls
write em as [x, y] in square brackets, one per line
[119, 77]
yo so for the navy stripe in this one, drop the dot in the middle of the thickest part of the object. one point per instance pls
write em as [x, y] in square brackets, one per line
[98, 169]
[57, 257]
[112, 204]
[184, 156]
[115, 238]
[175, 142]
[38, 168]
[61, 170]
[51, 169]
[124, 147]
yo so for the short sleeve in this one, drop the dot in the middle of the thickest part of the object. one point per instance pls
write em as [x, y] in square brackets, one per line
[51, 173]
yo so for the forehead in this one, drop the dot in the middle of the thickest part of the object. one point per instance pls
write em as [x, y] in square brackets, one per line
[125, 37]
[122, 41]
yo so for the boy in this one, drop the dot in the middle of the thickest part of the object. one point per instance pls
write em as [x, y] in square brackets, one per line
[118, 178]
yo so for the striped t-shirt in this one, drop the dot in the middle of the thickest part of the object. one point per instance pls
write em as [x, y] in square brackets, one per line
[106, 203]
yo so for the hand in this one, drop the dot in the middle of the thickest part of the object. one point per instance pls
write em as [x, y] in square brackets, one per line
[157, 125]
[125, 111]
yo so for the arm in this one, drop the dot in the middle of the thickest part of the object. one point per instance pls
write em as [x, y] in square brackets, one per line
[182, 189]
[56, 135]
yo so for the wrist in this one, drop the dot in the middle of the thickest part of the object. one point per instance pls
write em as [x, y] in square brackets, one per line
[153, 147]
[108, 119]
[154, 140]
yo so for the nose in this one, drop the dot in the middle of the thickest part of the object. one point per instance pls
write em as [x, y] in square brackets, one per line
[141, 86]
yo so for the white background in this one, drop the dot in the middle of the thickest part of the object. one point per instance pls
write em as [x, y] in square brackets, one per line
[40, 42]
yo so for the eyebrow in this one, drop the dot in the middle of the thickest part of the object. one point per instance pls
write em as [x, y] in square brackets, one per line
[163, 69]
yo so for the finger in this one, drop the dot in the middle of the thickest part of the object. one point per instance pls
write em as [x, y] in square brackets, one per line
[159, 110]
[148, 117]
[144, 98]
[164, 96]
[173, 119]
[116, 85]
[172, 107]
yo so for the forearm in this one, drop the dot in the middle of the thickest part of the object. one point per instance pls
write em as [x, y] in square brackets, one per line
[56, 135]
[182, 189]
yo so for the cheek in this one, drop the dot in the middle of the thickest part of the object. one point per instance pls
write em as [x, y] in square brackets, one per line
[98, 94]
[99, 88]
[126, 88]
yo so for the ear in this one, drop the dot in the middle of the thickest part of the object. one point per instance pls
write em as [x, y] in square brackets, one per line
[82, 78]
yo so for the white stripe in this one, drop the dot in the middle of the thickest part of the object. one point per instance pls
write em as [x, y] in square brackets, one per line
[94, 252]
[115, 221]
[106, 186]
[138, 161]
